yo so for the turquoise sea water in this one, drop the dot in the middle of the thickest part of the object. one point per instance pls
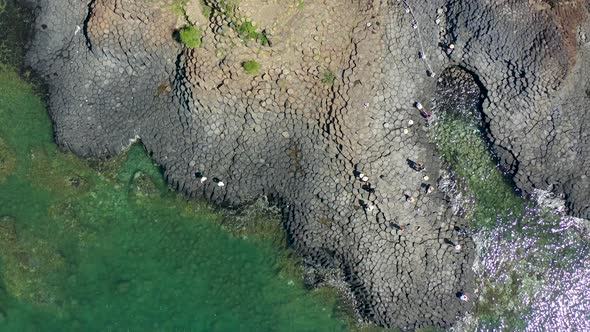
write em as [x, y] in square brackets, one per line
[106, 246]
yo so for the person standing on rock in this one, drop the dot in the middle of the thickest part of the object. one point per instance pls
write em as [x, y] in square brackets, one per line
[462, 296]
[200, 176]
[219, 182]
[417, 166]
[455, 246]
[362, 177]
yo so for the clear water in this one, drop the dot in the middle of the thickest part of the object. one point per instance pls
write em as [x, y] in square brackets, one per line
[107, 247]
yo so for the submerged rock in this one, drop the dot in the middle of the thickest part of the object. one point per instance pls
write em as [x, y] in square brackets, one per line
[8, 229]
[142, 185]
[7, 161]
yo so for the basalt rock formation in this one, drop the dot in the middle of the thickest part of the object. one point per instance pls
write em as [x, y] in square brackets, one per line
[335, 97]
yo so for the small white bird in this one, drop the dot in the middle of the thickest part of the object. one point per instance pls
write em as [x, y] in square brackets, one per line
[220, 184]
[370, 207]
[464, 297]
[457, 247]
[203, 179]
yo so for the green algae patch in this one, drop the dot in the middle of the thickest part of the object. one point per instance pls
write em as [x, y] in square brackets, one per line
[7, 161]
[106, 245]
[461, 144]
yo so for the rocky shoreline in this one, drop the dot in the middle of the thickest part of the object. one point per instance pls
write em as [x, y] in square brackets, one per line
[338, 98]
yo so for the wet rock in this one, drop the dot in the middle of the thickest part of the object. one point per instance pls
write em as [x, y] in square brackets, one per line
[8, 230]
[78, 182]
[142, 185]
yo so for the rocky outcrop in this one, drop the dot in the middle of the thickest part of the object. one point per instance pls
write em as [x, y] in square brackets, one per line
[533, 59]
[335, 98]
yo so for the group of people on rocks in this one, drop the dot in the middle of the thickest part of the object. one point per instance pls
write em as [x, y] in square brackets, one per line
[427, 187]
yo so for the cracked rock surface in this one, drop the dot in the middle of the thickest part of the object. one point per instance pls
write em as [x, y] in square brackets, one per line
[335, 98]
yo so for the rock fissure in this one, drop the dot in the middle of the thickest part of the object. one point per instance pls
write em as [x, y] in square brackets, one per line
[90, 7]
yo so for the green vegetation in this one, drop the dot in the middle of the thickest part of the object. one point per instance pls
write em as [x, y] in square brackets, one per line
[247, 31]
[328, 78]
[243, 27]
[300, 4]
[205, 9]
[251, 67]
[191, 36]
[178, 7]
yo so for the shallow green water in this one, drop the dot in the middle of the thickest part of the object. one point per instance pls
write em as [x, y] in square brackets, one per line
[108, 247]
